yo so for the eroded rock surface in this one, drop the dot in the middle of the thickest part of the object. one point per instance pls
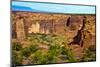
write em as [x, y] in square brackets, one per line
[78, 29]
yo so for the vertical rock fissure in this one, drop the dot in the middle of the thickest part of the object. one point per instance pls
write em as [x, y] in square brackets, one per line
[78, 39]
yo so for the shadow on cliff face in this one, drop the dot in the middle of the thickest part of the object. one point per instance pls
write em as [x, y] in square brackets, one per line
[74, 25]
[70, 23]
[84, 34]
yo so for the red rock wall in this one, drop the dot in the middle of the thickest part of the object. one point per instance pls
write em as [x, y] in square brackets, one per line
[78, 29]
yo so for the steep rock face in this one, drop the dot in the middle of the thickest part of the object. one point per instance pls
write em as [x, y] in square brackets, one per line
[74, 25]
[86, 34]
[78, 29]
[20, 30]
[89, 32]
[41, 23]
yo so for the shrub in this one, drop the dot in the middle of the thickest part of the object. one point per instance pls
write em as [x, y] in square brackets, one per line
[43, 58]
[33, 48]
[38, 58]
[69, 55]
[90, 54]
[26, 52]
[16, 46]
[17, 58]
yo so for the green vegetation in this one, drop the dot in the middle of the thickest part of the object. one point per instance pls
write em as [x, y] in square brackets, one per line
[17, 57]
[54, 50]
[16, 46]
[90, 54]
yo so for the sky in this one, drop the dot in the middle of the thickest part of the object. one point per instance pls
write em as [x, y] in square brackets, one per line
[54, 8]
[91, 2]
[63, 0]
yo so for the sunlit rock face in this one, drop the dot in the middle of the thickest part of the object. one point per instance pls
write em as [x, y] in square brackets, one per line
[89, 31]
[34, 28]
[78, 29]
[20, 30]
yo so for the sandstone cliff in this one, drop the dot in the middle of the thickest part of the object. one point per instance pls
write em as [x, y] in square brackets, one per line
[79, 29]
[75, 33]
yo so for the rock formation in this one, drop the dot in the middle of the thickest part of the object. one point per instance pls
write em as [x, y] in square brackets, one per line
[78, 29]
[20, 30]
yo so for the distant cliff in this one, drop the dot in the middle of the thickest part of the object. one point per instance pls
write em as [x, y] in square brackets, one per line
[79, 29]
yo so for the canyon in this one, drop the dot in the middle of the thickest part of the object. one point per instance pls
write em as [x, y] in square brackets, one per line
[77, 28]
[75, 32]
